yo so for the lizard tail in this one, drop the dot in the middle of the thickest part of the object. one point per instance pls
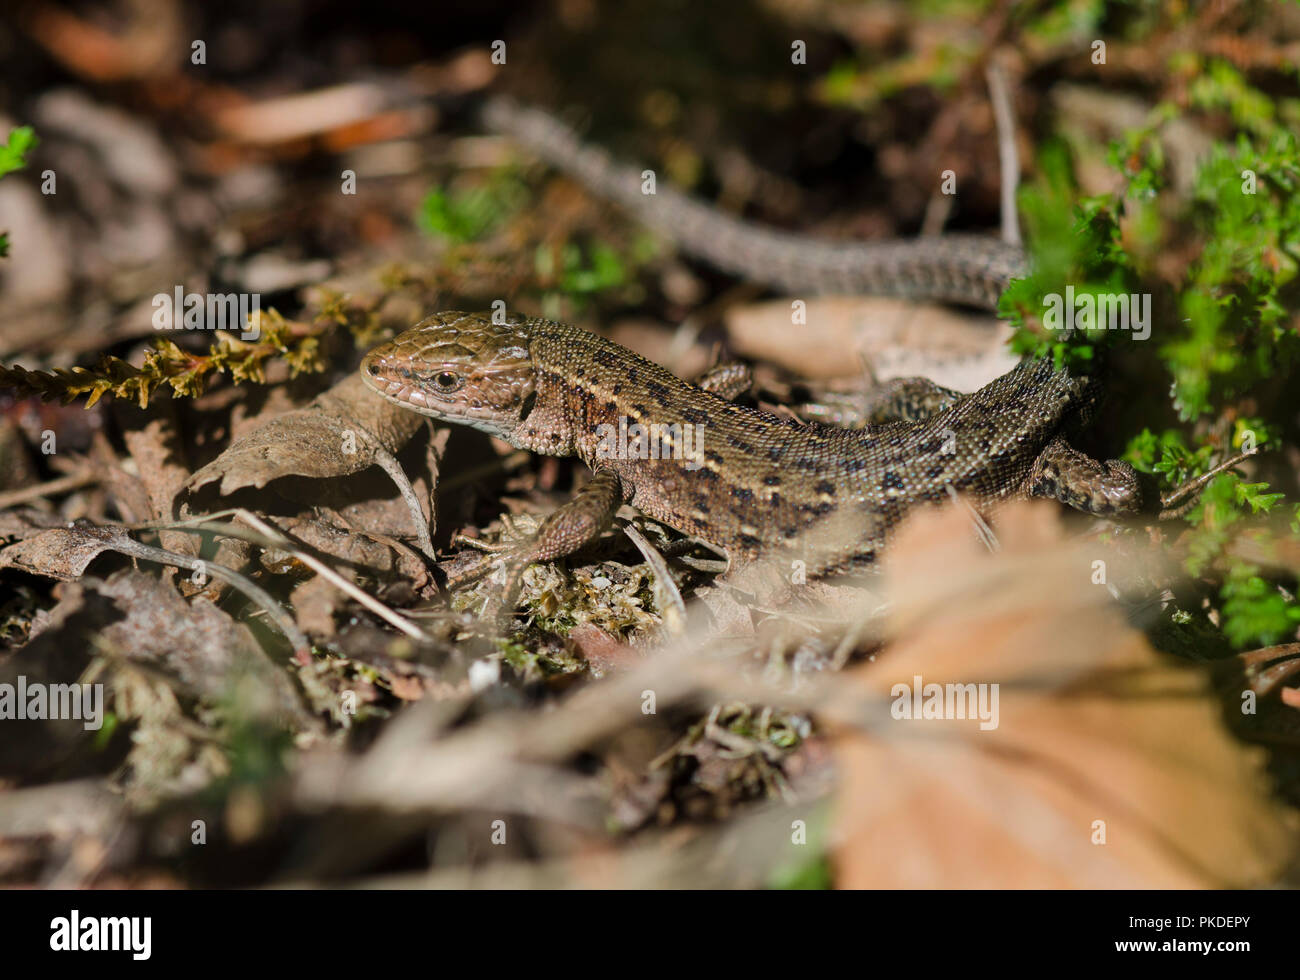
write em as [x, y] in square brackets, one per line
[969, 269]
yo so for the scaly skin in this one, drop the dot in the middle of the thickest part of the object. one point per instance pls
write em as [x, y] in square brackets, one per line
[762, 485]
[971, 269]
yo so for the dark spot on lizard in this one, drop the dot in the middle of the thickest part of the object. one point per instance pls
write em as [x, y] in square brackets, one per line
[826, 487]
[817, 509]
[742, 493]
[772, 480]
[529, 402]
[696, 416]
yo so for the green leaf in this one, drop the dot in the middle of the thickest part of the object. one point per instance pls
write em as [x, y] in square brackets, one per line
[13, 154]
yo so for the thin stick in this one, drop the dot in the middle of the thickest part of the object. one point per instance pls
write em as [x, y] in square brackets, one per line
[1008, 160]
[268, 536]
[50, 488]
[670, 598]
[134, 549]
[1195, 486]
[337, 580]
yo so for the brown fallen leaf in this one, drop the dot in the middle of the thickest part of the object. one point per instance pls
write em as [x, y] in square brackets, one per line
[64, 552]
[897, 337]
[151, 438]
[1102, 763]
[343, 431]
[140, 619]
[336, 435]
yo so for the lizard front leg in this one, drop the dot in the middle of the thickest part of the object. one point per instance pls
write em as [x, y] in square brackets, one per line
[577, 522]
[1106, 488]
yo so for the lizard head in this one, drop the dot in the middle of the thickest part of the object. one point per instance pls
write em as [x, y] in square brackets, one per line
[458, 366]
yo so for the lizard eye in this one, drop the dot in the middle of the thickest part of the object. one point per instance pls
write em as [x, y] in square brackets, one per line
[446, 382]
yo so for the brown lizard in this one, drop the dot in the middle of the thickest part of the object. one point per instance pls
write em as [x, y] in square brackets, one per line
[752, 483]
[749, 482]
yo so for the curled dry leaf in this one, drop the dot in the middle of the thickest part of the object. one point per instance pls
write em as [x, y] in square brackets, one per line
[344, 431]
[338, 434]
[152, 440]
[1101, 763]
[315, 600]
[64, 552]
[357, 549]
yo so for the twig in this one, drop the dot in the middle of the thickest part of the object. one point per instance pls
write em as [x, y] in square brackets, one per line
[50, 488]
[670, 599]
[134, 549]
[268, 536]
[1194, 487]
[1008, 160]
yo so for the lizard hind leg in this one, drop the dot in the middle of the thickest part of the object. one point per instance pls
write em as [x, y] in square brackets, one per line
[907, 400]
[729, 380]
[1106, 488]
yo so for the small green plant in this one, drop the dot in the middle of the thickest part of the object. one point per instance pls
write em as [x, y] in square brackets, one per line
[1215, 249]
[463, 216]
[13, 156]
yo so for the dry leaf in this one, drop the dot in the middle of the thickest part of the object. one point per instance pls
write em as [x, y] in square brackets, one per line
[897, 337]
[313, 441]
[1109, 766]
[64, 552]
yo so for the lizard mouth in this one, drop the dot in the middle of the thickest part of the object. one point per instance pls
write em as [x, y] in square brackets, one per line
[381, 377]
[406, 388]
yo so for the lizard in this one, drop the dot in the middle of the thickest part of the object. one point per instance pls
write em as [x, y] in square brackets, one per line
[754, 484]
